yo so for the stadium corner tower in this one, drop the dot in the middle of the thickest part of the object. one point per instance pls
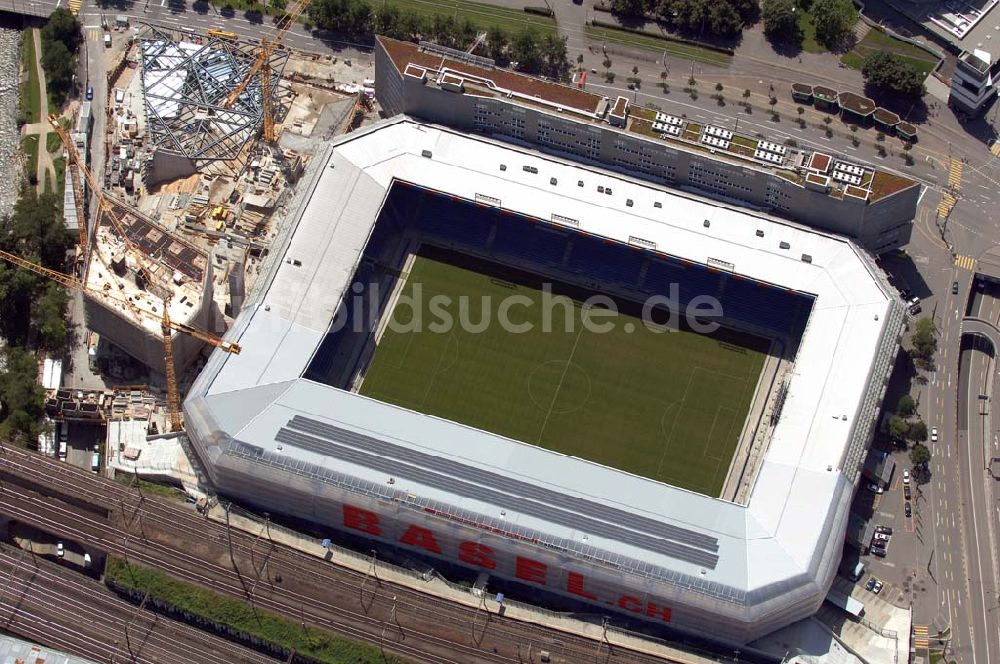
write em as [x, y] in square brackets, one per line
[283, 425]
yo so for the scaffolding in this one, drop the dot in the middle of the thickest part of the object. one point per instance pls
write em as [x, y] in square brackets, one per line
[185, 82]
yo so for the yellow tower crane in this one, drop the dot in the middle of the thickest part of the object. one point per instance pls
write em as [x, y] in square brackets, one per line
[74, 176]
[173, 393]
[104, 202]
[262, 65]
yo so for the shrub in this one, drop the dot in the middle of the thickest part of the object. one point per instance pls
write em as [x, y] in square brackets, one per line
[540, 11]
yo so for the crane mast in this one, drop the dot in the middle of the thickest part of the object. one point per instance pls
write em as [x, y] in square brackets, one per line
[166, 324]
[261, 65]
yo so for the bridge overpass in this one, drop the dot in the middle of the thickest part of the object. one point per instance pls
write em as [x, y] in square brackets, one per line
[40, 8]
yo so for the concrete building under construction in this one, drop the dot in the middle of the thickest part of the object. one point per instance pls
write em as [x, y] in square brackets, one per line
[129, 281]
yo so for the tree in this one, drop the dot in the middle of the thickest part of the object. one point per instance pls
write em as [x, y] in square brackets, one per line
[35, 231]
[890, 72]
[524, 48]
[628, 7]
[917, 432]
[781, 22]
[496, 42]
[898, 428]
[919, 455]
[49, 316]
[925, 339]
[59, 65]
[279, 4]
[62, 27]
[906, 406]
[833, 20]
[724, 18]
[353, 17]
[389, 22]
[412, 25]
[22, 399]
[552, 50]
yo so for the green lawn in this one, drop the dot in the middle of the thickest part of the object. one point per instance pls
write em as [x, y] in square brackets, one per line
[677, 49]
[876, 40]
[668, 406]
[150, 488]
[29, 146]
[808, 30]
[481, 14]
[31, 94]
[239, 615]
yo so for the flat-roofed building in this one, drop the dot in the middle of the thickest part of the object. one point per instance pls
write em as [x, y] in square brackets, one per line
[420, 80]
[973, 85]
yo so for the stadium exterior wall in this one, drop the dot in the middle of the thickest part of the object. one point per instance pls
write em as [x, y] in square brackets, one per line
[880, 226]
[281, 483]
[247, 473]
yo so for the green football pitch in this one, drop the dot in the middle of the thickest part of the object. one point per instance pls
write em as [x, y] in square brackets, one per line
[664, 405]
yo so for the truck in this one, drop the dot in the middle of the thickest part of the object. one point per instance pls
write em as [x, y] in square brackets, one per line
[846, 602]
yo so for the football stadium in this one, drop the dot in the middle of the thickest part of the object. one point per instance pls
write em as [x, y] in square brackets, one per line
[591, 388]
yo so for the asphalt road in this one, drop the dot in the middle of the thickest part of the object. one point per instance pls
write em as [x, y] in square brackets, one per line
[976, 446]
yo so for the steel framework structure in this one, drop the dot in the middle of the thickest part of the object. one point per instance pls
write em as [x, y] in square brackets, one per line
[185, 84]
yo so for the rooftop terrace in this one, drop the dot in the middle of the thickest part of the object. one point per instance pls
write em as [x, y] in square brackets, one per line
[438, 68]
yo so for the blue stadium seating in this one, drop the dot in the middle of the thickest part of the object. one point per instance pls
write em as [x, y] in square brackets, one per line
[458, 222]
[510, 238]
[604, 260]
[529, 242]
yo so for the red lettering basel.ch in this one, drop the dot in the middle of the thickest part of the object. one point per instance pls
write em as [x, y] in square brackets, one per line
[480, 555]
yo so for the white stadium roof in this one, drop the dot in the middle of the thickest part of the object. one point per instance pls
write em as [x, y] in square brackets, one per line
[780, 542]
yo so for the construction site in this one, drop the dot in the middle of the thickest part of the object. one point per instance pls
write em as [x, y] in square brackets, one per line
[177, 183]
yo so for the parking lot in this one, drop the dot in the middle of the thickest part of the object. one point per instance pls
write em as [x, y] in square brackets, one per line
[82, 439]
[895, 564]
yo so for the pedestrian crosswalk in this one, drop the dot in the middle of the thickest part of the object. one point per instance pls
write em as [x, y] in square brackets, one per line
[955, 174]
[945, 205]
[921, 636]
[94, 33]
[965, 262]
[74, 6]
[995, 149]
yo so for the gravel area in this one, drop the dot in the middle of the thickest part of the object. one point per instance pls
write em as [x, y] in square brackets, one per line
[10, 53]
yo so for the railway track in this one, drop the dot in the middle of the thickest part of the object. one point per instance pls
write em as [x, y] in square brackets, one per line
[39, 601]
[52, 516]
[482, 637]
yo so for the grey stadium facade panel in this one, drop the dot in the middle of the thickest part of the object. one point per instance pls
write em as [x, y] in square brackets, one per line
[585, 532]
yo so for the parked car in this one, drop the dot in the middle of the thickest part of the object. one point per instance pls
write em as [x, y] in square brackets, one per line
[906, 477]
[878, 551]
[934, 434]
[90, 93]
[881, 537]
[915, 309]
[906, 492]
[884, 529]
[874, 488]
[870, 586]
[908, 509]
[878, 587]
